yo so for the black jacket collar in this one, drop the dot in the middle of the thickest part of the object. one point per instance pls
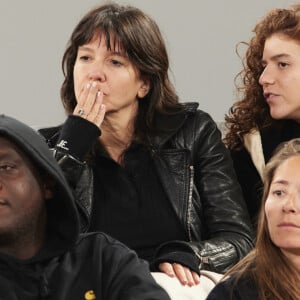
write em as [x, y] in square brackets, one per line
[168, 125]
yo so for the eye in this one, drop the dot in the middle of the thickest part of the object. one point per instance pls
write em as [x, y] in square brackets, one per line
[84, 58]
[278, 193]
[282, 65]
[6, 167]
[116, 62]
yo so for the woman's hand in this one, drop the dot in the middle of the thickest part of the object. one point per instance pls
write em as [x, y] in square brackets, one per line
[184, 274]
[89, 104]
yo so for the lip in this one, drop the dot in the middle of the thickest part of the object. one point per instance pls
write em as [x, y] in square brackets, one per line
[3, 202]
[288, 225]
[269, 96]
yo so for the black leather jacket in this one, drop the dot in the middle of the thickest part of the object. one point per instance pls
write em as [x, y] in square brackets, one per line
[196, 172]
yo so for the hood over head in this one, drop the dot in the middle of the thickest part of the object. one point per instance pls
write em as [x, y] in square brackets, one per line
[62, 219]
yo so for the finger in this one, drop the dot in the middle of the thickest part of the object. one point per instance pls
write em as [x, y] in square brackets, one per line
[91, 97]
[167, 268]
[180, 273]
[100, 116]
[97, 113]
[196, 278]
[80, 109]
[87, 99]
[189, 276]
[83, 94]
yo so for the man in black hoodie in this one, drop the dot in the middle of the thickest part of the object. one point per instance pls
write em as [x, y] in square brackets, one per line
[42, 255]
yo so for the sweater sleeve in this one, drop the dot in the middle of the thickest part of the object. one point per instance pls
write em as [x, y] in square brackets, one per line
[176, 252]
[77, 137]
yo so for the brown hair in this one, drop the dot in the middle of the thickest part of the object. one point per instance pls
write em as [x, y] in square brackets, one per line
[252, 111]
[275, 277]
[138, 35]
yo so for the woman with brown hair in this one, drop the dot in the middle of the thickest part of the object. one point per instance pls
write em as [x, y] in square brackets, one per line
[272, 270]
[269, 111]
[146, 169]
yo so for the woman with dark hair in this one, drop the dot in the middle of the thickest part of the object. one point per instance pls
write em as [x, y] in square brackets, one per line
[146, 169]
[269, 111]
[272, 269]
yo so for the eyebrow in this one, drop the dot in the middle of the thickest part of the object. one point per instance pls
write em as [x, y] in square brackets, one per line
[280, 181]
[277, 56]
[85, 48]
[113, 52]
[6, 155]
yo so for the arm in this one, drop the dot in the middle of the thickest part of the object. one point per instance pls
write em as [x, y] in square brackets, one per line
[227, 235]
[70, 144]
[199, 179]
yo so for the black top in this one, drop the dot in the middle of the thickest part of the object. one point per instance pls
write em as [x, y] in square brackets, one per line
[244, 289]
[131, 195]
[247, 174]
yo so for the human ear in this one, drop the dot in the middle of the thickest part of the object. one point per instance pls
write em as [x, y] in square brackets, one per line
[144, 89]
[48, 188]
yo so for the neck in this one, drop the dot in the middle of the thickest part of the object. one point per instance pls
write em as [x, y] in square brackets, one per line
[21, 249]
[294, 258]
[117, 135]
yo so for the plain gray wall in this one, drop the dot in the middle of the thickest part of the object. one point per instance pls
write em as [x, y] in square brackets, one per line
[201, 37]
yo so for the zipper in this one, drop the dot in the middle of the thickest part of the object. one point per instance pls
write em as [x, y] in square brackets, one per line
[190, 195]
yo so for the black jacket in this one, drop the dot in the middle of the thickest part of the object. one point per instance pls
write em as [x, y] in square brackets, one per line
[70, 265]
[196, 172]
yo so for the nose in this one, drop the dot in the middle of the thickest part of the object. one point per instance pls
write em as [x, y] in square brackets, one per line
[266, 77]
[290, 204]
[97, 72]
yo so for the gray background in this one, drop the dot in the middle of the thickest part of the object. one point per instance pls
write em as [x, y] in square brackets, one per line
[201, 37]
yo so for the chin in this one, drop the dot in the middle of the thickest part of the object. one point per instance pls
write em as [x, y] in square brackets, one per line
[278, 117]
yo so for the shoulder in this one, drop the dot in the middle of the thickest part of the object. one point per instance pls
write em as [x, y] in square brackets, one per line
[220, 292]
[187, 124]
[243, 289]
[192, 109]
[197, 118]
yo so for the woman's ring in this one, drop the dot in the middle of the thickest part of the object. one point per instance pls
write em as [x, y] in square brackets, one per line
[81, 112]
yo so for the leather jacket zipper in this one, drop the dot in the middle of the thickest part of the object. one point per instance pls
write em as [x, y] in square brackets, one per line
[190, 195]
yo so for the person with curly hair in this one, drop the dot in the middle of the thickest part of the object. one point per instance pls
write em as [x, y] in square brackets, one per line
[269, 110]
[271, 271]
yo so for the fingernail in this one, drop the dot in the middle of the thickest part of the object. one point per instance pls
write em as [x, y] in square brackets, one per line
[102, 106]
[94, 83]
[99, 93]
[88, 85]
[184, 282]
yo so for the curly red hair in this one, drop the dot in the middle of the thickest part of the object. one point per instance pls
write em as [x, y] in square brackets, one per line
[252, 111]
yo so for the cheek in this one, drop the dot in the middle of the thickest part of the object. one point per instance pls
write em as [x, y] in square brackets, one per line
[25, 195]
[269, 210]
[79, 78]
[76, 79]
[272, 212]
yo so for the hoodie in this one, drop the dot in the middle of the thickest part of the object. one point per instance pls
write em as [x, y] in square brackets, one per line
[70, 265]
